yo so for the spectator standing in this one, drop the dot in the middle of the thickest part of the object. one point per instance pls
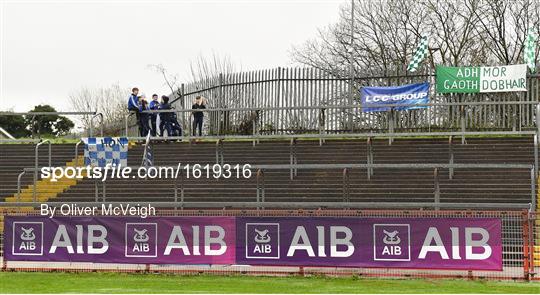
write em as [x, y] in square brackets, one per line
[133, 105]
[198, 116]
[144, 126]
[165, 117]
[153, 106]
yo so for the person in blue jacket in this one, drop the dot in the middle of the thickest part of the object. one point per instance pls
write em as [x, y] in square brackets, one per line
[154, 105]
[144, 126]
[165, 117]
[133, 100]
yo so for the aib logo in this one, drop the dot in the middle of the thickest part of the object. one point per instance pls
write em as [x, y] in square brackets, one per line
[141, 240]
[262, 240]
[27, 238]
[391, 242]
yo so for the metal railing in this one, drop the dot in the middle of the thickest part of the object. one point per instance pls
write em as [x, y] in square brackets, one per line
[322, 132]
[36, 167]
[33, 115]
[287, 205]
[178, 183]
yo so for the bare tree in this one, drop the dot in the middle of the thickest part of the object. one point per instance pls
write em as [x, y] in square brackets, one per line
[110, 101]
[462, 32]
[171, 80]
[503, 25]
[203, 67]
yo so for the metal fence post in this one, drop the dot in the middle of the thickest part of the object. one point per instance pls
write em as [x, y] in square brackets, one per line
[127, 124]
[99, 115]
[19, 177]
[345, 186]
[369, 158]
[451, 158]
[292, 158]
[437, 193]
[77, 152]
[391, 125]
[175, 194]
[36, 163]
[260, 188]
[462, 122]
[536, 155]
[219, 152]
[526, 253]
[104, 193]
[533, 187]
[322, 121]
[221, 104]
[96, 191]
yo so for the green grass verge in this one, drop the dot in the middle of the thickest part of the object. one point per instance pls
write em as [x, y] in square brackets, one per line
[37, 282]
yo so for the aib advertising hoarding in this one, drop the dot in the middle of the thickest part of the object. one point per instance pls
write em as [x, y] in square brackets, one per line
[422, 243]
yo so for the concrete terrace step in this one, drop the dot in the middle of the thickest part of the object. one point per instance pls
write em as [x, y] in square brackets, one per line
[386, 185]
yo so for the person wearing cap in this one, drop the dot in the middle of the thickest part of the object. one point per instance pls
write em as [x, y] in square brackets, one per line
[154, 105]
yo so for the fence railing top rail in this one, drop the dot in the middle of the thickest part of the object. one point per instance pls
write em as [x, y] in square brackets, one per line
[353, 205]
[21, 140]
[45, 113]
[346, 106]
[342, 166]
[340, 135]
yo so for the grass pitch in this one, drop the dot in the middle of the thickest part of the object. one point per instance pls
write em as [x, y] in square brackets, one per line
[37, 282]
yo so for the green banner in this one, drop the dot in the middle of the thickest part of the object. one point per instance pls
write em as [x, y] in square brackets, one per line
[481, 79]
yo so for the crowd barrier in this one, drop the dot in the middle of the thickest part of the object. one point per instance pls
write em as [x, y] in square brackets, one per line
[367, 243]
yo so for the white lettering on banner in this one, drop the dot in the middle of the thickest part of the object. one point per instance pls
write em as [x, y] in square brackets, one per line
[209, 240]
[461, 84]
[467, 72]
[300, 234]
[335, 241]
[177, 240]
[301, 242]
[62, 239]
[397, 97]
[176, 234]
[100, 239]
[470, 243]
[433, 236]
[320, 236]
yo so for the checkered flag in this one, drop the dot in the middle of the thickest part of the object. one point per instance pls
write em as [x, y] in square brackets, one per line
[419, 54]
[100, 151]
[530, 50]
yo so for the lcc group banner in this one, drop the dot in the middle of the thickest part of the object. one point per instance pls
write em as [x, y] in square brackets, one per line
[481, 79]
[404, 97]
[427, 243]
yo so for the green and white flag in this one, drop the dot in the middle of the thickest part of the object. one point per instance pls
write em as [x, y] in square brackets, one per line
[530, 50]
[481, 79]
[419, 54]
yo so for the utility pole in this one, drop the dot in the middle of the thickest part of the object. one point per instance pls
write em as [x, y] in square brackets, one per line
[351, 70]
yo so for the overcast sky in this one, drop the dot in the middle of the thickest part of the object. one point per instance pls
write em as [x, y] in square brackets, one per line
[52, 48]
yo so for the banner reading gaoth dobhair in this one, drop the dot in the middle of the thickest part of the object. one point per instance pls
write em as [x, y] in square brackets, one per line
[508, 78]
[423, 243]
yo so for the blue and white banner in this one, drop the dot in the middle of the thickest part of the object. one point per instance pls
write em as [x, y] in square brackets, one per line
[407, 96]
[100, 151]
